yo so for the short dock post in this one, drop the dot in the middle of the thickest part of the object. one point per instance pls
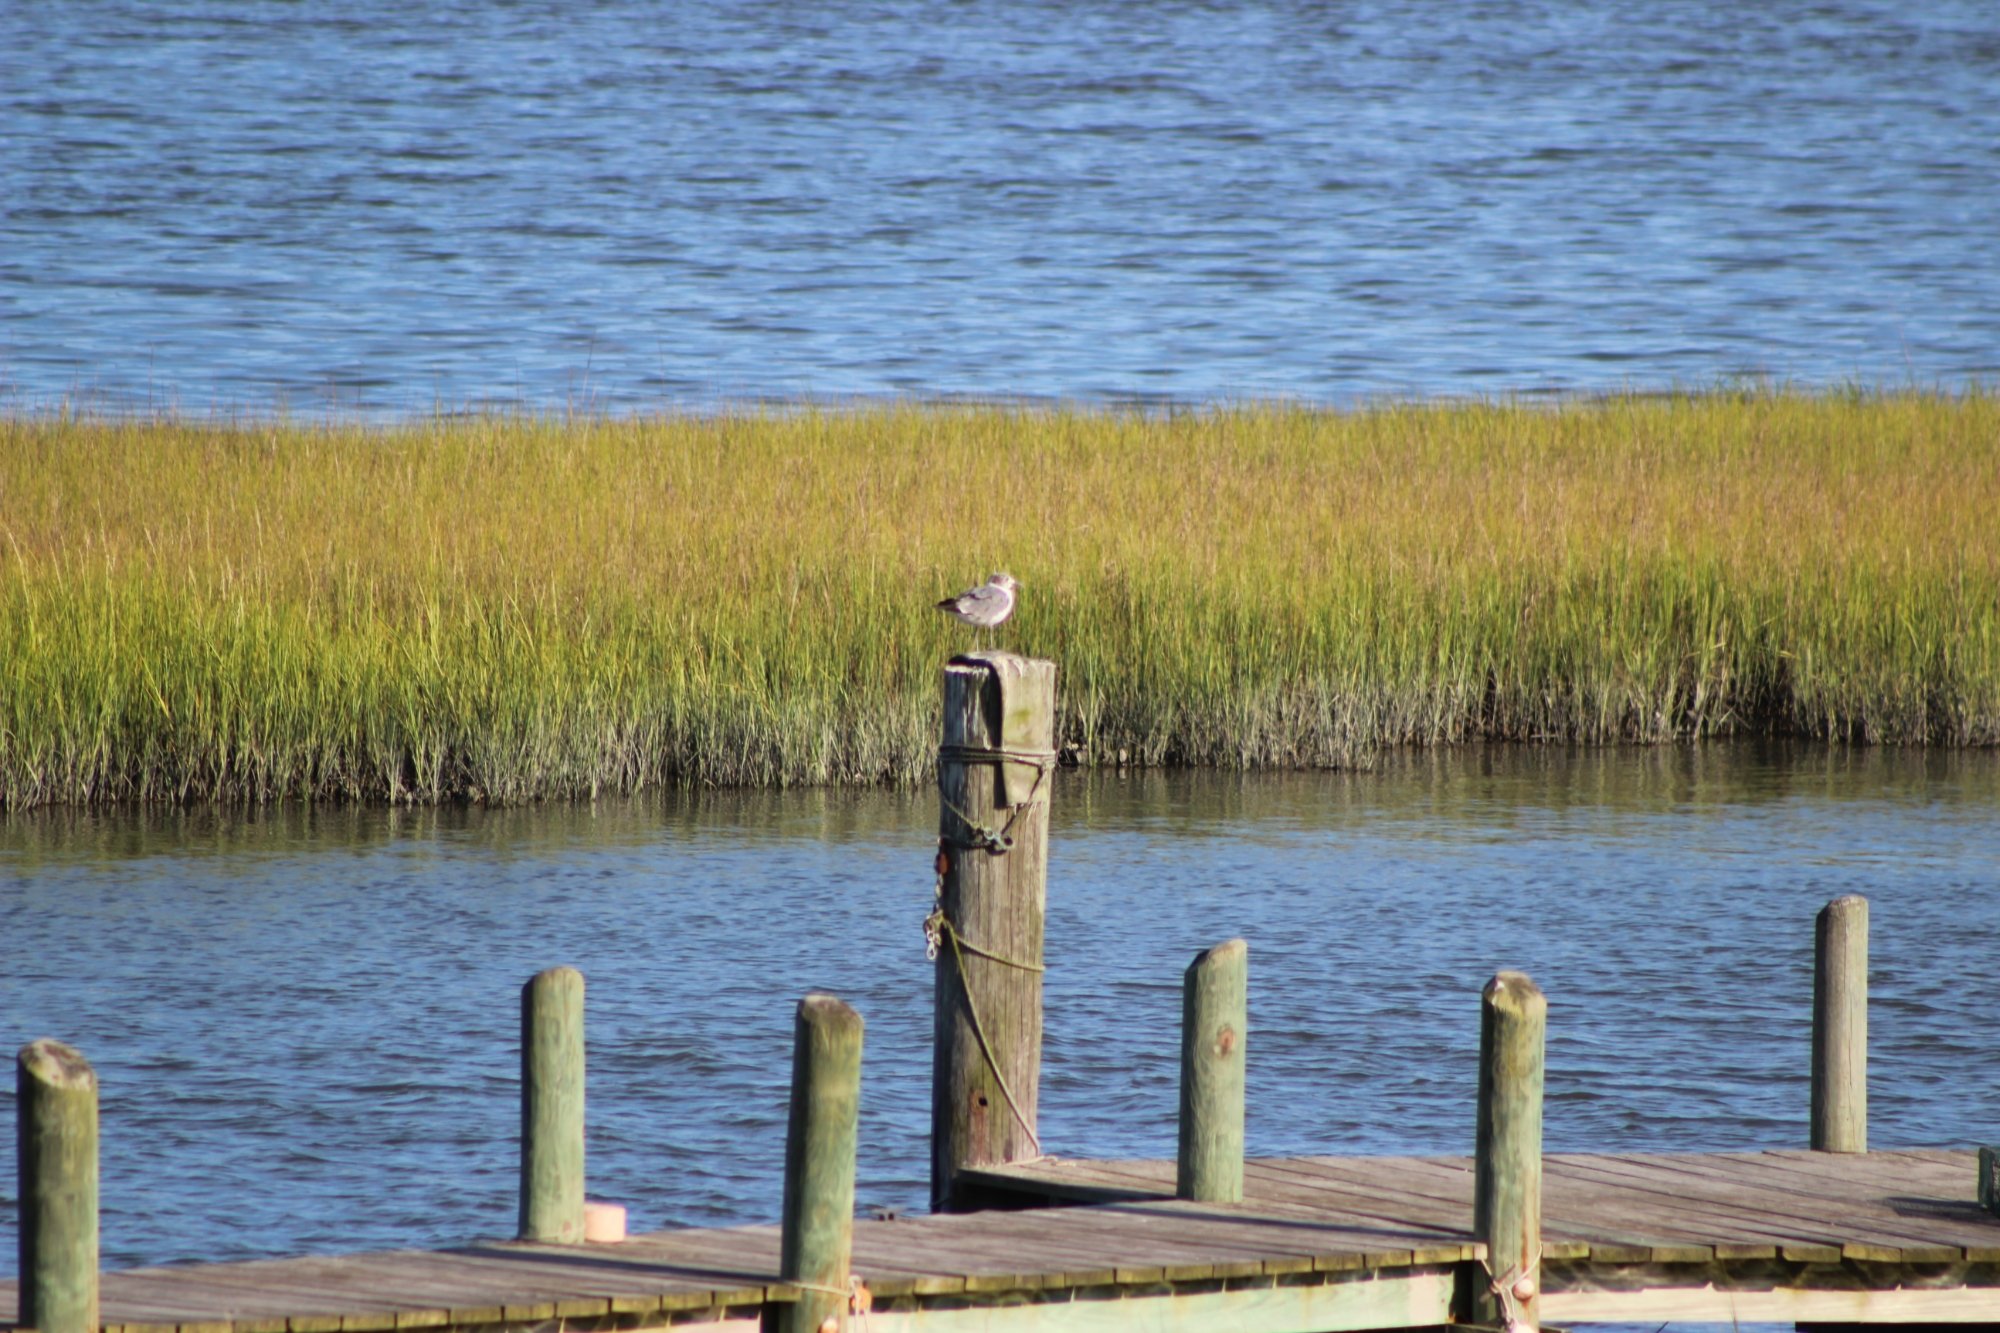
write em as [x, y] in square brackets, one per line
[57, 1106]
[552, 1107]
[995, 768]
[1214, 1040]
[1840, 1026]
[1507, 1184]
[817, 1228]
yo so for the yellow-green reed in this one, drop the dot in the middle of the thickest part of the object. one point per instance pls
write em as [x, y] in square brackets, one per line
[508, 609]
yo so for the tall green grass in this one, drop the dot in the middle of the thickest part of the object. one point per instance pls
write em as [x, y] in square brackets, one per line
[508, 609]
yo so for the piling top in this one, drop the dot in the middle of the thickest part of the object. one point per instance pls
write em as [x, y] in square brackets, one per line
[823, 1010]
[1001, 705]
[1516, 993]
[1027, 694]
[57, 1065]
[997, 659]
[1225, 952]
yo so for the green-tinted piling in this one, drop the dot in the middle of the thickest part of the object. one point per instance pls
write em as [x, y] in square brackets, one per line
[1507, 1189]
[1214, 1045]
[552, 1107]
[57, 1118]
[817, 1226]
[1840, 1026]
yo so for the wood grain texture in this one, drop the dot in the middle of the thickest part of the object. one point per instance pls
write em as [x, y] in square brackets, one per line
[817, 1230]
[56, 1103]
[552, 1110]
[986, 1070]
[1418, 1300]
[1647, 1236]
[1840, 1027]
[1507, 1171]
[1215, 1037]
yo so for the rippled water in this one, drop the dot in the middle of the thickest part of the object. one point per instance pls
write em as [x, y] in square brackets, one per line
[391, 206]
[305, 1023]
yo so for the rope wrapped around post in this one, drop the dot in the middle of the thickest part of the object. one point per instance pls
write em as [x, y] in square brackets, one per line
[984, 839]
[994, 759]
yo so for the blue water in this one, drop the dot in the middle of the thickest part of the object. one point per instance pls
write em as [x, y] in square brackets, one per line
[305, 1022]
[382, 208]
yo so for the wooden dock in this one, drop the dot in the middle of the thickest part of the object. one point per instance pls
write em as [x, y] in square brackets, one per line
[1318, 1243]
[1830, 1235]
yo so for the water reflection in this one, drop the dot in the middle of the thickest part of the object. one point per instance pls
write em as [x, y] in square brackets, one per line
[1475, 786]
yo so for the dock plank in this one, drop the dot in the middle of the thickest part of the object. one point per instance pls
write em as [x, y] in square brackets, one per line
[1909, 1216]
[1727, 1208]
[1935, 1205]
[1148, 1243]
[1439, 1191]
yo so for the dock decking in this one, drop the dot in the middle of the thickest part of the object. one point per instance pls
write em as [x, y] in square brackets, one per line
[1319, 1243]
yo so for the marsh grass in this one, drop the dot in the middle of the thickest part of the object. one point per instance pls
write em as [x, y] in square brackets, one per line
[509, 609]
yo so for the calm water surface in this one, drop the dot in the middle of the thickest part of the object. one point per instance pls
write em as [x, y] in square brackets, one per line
[305, 1023]
[379, 207]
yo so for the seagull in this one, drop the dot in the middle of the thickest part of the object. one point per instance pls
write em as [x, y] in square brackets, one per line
[984, 607]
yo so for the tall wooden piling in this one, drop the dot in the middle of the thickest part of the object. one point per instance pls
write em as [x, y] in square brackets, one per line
[995, 769]
[1507, 1181]
[1840, 1026]
[1214, 1046]
[552, 1076]
[56, 1107]
[817, 1227]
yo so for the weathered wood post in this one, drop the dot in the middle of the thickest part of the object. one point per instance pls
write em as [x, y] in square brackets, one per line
[817, 1228]
[1840, 1026]
[57, 1110]
[995, 769]
[1507, 1182]
[1989, 1179]
[1214, 1045]
[552, 1107]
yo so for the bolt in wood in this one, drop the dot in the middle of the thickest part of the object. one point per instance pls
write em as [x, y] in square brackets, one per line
[1214, 1038]
[552, 1107]
[1507, 1182]
[1840, 1026]
[56, 1106]
[817, 1227]
[995, 900]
